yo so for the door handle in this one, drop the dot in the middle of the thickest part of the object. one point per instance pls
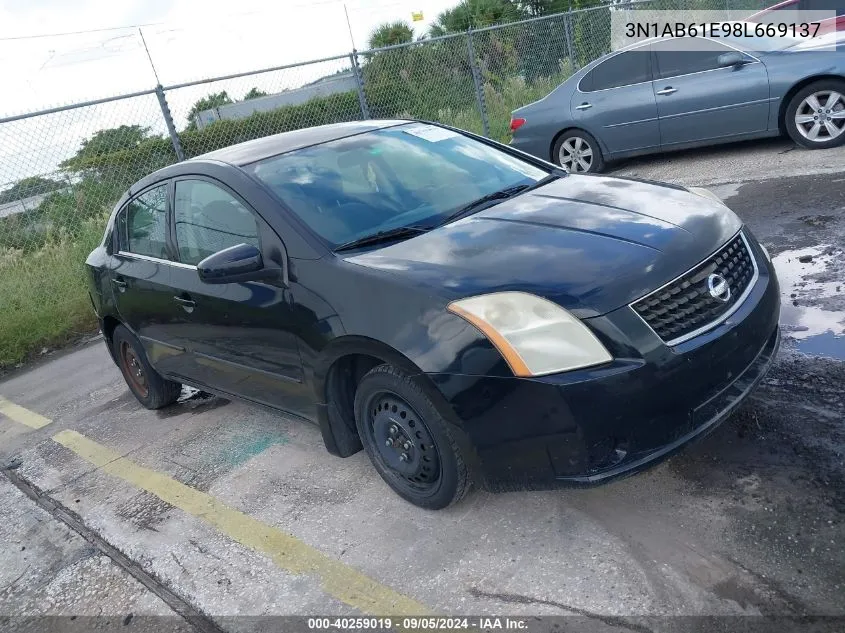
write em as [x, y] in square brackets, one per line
[584, 106]
[188, 304]
[667, 90]
[120, 284]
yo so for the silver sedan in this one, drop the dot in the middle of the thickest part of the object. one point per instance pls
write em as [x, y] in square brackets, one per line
[661, 95]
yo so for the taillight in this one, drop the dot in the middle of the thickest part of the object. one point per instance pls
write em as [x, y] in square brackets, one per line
[516, 124]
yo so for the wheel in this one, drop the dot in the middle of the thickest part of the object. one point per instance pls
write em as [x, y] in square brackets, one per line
[151, 390]
[408, 441]
[578, 152]
[815, 117]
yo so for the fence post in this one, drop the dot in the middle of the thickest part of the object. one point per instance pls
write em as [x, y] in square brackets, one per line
[168, 120]
[359, 83]
[567, 32]
[479, 86]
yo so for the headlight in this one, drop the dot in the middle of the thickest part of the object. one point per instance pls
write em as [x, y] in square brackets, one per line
[705, 193]
[535, 336]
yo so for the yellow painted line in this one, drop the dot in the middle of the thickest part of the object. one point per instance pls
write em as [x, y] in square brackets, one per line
[22, 416]
[338, 580]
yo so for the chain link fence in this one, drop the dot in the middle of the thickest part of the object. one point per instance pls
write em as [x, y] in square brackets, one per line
[62, 170]
[211, 114]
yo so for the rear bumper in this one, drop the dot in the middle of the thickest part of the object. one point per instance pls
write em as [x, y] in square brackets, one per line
[539, 146]
[591, 426]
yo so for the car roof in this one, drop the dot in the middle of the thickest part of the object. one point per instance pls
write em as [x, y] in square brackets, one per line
[267, 146]
[258, 149]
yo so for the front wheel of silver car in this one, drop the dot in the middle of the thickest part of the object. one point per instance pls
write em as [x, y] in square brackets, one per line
[815, 117]
[578, 152]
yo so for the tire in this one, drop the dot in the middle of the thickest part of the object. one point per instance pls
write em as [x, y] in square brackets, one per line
[829, 96]
[574, 141]
[145, 383]
[390, 406]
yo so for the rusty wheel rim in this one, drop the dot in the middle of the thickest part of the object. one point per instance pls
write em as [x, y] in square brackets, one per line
[133, 370]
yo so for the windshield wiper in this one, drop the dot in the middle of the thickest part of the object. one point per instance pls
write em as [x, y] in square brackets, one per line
[409, 231]
[502, 194]
[544, 181]
[383, 236]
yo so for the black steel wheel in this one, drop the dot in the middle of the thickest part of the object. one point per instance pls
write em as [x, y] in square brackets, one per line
[408, 441]
[145, 383]
[403, 442]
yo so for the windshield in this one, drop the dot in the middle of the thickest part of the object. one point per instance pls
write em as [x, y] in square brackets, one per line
[410, 175]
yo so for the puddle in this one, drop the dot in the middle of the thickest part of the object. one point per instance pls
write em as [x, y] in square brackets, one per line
[827, 344]
[816, 330]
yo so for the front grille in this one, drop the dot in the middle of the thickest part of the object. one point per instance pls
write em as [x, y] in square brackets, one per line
[686, 306]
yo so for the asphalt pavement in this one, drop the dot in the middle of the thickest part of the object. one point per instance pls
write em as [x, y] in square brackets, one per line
[750, 161]
[213, 509]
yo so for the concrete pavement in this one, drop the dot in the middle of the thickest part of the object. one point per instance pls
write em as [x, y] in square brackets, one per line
[47, 568]
[239, 511]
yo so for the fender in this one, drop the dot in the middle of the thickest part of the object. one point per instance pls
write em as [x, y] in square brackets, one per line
[340, 438]
[343, 441]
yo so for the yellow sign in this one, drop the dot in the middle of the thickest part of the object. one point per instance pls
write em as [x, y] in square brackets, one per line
[417, 16]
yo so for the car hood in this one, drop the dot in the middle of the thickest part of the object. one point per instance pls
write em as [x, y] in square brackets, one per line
[589, 243]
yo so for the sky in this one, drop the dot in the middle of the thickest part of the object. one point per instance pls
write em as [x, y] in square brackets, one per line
[58, 52]
[187, 39]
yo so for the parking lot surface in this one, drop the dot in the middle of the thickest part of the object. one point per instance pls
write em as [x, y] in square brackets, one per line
[229, 509]
[751, 161]
[49, 568]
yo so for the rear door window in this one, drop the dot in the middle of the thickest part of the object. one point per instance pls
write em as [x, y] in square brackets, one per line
[683, 56]
[142, 225]
[624, 69]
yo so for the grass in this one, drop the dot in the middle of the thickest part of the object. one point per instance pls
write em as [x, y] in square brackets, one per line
[500, 102]
[44, 296]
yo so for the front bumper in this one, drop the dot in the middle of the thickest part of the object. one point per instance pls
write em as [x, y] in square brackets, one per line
[594, 425]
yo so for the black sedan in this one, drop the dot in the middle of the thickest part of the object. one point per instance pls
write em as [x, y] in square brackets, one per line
[465, 312]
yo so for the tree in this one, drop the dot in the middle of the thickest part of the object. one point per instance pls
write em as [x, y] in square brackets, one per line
[587, 4]
[590, 36]
[545, 45]
[391, 34]
[28, 187]
[120, 155]
[473, 14]
[537, 8]
[105, 143]
[254, 93]
[109, 141]
[209, 102]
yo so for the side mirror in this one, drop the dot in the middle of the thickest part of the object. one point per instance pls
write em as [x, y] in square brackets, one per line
[732, 59]
[242, 262]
